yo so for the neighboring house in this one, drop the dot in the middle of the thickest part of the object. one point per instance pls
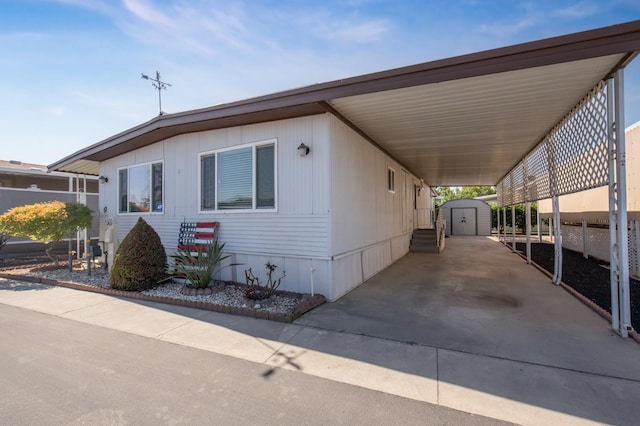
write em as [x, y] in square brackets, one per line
[467, 216]
[592, 208]
[25, 183]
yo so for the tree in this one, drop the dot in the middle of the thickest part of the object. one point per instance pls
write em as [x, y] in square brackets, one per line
[47, 223]
[447, 193]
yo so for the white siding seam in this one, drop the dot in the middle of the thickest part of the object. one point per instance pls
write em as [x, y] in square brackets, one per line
[363, 248]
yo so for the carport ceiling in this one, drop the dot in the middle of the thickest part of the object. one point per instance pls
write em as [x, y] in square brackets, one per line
[472, 131]
[466, 120]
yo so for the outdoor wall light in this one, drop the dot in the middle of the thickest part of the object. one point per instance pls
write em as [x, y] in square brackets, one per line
[303, 150]
[103, 179]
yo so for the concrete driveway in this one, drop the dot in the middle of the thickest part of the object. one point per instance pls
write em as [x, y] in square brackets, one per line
[479, 299]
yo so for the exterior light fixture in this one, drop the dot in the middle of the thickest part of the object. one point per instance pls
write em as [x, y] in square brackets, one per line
[103, 179]
[303, 150]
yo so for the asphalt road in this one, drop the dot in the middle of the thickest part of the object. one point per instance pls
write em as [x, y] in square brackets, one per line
[55, 371]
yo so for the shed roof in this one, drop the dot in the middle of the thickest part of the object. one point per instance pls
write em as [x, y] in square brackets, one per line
[465, 120]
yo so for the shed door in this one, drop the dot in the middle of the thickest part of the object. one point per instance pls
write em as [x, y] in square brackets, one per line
[463, 221]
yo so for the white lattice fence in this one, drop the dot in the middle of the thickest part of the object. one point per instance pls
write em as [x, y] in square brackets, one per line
[572, 157]
[634, 248]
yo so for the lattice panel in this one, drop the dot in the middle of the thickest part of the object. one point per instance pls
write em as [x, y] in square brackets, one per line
[517, 179]
[537, 165]
[573, 157]
[580, 146]
[499, 195]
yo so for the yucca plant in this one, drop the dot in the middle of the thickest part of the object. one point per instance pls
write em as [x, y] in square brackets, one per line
[199, 267]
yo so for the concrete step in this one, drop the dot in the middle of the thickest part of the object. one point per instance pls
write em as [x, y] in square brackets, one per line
[424, 249]
[424, 241]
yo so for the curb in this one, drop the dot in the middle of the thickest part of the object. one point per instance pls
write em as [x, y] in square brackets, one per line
[305, 306]
[591, 304]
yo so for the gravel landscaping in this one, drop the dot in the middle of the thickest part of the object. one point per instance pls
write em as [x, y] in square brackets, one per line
[224, 296]
[589, 277]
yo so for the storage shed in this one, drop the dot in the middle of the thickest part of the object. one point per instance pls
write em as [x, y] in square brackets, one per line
[467, 216]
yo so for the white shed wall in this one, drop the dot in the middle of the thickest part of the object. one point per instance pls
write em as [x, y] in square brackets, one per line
[483, 214]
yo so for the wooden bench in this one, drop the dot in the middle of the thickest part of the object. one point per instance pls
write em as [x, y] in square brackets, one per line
[194, 236]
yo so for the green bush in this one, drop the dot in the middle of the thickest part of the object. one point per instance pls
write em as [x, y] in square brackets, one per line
[47, 223]
[141, 261]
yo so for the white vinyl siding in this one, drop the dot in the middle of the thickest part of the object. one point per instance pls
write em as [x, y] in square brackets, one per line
[140, 189]
[238, 179]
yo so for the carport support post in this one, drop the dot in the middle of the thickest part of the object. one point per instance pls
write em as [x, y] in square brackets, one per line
[528, 224]
[513, 228]
[557, 264]
[498, 221]
[618, 232]
[538, 222]
[504, 217]
[585, 245]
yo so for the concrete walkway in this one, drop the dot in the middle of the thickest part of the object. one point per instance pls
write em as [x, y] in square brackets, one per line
[474, 329]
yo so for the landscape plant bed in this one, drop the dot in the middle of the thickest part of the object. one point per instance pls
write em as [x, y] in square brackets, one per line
[224, 296]
[589, 277]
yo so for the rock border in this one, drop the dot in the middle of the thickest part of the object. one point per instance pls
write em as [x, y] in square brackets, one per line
[308, 302]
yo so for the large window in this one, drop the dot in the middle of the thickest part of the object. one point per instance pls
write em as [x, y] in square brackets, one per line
[140, 189]
[238, 179]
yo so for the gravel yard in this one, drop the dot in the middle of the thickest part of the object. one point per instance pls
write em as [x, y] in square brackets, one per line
[222, 294]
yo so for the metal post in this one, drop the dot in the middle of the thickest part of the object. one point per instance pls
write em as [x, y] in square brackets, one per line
[621, 186]
[613, 236]
[504, 220]
[70, 249]
[538, 222]
[498, 222]
[528, 225]
[513, 228]
[585, 240]
[557, 264]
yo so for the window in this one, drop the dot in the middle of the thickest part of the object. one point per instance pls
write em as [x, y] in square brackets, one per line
[391, 180]
[140, 189]
[239, 178]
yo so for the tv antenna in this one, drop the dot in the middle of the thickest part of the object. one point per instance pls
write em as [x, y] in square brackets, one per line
[158, 84]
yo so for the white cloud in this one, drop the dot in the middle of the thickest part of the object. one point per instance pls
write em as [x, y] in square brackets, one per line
[56, 111]
[147, 12]
[576, 11]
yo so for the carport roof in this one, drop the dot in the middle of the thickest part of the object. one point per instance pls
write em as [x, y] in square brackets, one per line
[465, 120]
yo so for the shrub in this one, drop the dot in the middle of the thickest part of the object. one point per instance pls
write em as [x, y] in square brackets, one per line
[47, 223]
[255, 290]
[141, 261]
[198, 269]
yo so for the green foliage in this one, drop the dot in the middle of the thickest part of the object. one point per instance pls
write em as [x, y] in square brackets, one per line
[199, 269]
[141, 261]
[255, 290]
[47, 223]
[447, 193]
[520, 217]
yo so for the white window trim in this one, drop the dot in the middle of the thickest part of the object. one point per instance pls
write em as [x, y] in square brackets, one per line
[391, 170]
[148, 163]
[253, 145]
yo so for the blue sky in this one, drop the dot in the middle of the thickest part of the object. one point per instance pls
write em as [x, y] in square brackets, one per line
[70, 69]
